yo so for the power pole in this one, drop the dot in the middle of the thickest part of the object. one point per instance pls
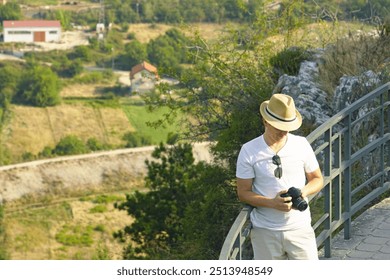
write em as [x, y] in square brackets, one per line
[100, 27]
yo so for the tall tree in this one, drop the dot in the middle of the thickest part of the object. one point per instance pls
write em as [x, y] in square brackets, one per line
[159, 213]
[39, 86]
[135, 52]
[186, 212]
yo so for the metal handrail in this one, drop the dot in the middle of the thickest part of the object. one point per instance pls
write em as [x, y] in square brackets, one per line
[343, 194]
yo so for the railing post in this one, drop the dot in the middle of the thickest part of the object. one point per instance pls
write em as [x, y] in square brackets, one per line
[347, 177]
[337, 179]
[387, 131]
[328, 189]
[382, 133]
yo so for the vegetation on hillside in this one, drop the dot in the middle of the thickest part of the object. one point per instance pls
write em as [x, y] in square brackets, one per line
[217, 11]
[3, 241]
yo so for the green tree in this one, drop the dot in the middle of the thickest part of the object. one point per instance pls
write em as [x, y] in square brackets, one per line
[135, 53]
[9, 80]
[185, 214]
[158, 213]
[162, 54]
[81, 52]
[64, 17]
[67, 68]
[168, 51]
[10, 11]
[210, 212]
[39, 86]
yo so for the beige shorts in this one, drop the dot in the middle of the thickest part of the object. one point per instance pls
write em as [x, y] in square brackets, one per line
[284, 245]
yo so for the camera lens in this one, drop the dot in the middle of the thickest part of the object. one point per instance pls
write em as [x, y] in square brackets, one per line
[300, 204]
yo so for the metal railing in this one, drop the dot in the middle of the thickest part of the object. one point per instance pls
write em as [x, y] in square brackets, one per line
[353, 148]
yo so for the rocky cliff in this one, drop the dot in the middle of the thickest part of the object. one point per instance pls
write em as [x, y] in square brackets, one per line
[317, 106]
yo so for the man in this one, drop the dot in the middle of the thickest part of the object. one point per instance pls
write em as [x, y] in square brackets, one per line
[267, 167]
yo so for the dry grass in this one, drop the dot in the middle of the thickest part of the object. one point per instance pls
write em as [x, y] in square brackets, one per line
[317, 35]
[145, 32]
[80, 90]
[36, 128]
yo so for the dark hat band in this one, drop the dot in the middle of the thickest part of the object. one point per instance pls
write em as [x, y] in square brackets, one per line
[279, 119]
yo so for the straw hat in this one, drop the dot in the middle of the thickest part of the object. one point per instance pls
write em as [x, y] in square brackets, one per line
[280, 112]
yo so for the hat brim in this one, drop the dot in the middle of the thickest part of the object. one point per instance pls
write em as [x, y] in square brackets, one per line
[279, 124]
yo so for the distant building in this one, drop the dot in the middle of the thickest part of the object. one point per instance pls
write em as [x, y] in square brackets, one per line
[30, 31]
[100, 29]
[143, 77]
[3, 2]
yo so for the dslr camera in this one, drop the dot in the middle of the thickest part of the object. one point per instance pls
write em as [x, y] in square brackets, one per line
[296, 198]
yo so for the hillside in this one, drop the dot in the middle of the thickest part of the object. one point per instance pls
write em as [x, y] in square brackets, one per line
[63, 208]
[83, 113]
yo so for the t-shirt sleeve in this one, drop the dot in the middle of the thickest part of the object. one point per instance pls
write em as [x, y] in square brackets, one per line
[311, 162]
[244, 168]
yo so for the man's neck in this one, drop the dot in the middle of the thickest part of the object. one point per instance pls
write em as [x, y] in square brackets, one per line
[275, 143]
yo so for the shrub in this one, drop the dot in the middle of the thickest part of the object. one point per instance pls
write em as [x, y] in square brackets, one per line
[100, 228]
[81, 52]
[101, 208]
[75, 236]
[107, 199]
[27, 156]
[47, 152]
[134, 140]
[95, 145]
[288, 61]
[70, 145]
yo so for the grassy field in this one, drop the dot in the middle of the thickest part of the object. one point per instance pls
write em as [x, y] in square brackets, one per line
[140, 116]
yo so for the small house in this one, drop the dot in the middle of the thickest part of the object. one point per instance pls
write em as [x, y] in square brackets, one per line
[31, 31]
[143, 77]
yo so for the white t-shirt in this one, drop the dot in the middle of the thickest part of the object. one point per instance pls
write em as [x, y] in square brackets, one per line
[255, 162]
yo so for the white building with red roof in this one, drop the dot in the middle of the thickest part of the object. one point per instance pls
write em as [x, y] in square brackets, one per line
[143, 77]
[31, 31]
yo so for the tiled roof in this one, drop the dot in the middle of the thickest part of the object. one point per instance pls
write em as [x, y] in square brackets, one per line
[31, 23]
[143, 66]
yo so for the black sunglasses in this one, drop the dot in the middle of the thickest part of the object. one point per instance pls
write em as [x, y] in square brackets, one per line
[278, 171]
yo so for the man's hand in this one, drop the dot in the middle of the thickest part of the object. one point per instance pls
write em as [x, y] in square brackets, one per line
[282, 203]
